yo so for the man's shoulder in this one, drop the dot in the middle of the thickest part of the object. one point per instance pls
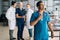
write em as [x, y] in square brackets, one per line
[17, 8]
[9, 9]
[34, 13]
[46, 12]
[23, 9]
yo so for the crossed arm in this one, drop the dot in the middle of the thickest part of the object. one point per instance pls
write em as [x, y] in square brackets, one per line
[17, 16]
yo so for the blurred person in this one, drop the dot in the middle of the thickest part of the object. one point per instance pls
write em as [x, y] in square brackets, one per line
[41, 22]
[56, 14]
[28, 16]
[20, 16]
[10, 15]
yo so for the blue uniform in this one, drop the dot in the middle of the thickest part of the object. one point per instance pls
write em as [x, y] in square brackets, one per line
[20, 13]
[20, 23]
[41, 28]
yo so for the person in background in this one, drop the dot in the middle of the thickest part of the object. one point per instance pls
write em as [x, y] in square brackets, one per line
[28, 16]
[10, 15]
[56, 13]
[41, 22]
[20, 16]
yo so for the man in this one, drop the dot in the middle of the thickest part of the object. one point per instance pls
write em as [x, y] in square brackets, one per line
[20, 15]
[41, 22]
[28, 16]
[11, 19]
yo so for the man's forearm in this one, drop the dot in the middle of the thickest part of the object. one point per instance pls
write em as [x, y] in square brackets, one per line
[50, 27]
[19, 17]
[34, 22]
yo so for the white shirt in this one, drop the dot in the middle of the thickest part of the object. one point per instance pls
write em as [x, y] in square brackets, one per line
[10, 15]
[28, 17]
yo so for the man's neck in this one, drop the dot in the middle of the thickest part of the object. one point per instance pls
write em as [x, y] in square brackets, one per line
[21, 8]
[40, 11]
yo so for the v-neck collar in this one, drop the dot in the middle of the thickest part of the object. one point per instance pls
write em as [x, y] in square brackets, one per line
[39, 13]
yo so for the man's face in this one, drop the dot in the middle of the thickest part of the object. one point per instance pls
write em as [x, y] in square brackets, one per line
[20, 5]
[41, 7]
[15, 5]
[28, 6]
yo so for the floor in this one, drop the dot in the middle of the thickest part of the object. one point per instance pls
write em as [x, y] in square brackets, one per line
[4, 33]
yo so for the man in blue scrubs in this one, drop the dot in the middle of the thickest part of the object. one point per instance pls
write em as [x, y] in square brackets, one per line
[41, 22]
[20, 21]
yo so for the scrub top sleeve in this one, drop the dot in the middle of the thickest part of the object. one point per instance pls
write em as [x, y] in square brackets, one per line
[32, 18]
[16, 11]
[48, 18]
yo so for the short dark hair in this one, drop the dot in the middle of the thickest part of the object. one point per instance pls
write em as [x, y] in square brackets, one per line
[13, 2]
[38, 3]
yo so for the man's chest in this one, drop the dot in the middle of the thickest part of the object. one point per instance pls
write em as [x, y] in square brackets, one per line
[20, 13]
[43, 18]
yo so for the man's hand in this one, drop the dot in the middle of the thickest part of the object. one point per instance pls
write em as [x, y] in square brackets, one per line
[23, 16]
[51, 29]
[52, 35]
[39, 17]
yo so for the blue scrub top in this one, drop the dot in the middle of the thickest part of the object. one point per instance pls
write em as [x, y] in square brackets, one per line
[20, 13]
[41, 28]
